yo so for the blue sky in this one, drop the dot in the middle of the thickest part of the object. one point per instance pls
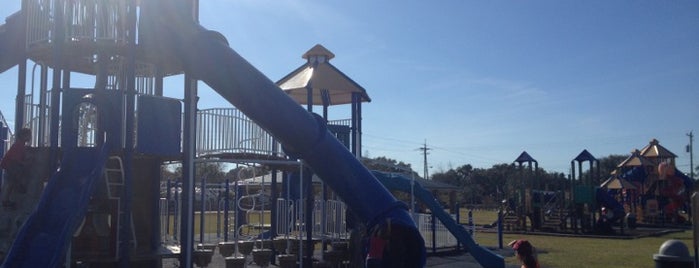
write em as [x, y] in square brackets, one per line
[482, 81]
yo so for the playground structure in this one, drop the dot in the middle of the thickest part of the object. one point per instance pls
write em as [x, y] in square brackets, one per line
[99, 150]
[658, 193]
[645, 188]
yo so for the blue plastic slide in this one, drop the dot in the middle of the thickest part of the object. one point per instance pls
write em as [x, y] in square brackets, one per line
[43, 239]
[207, 57]
[483, 256]
[608, 201]
[688, 181]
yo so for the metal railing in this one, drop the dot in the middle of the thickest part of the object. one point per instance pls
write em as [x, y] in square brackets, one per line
[328, 222]
[6, 142]
[37, 119]
[441, 236]
[228, 130]
[85, 20]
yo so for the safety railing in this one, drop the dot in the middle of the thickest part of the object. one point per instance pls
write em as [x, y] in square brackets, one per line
[37, 118]
[436, 238]
[40, 21]
[6, 141]
[228, 130]
[85, 20]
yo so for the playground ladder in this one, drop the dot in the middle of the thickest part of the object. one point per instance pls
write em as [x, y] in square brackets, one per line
[114, 178]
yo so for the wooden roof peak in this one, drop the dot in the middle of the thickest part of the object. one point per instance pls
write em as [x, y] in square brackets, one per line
[318, 50]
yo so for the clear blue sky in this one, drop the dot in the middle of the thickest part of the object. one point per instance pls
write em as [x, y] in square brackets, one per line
[482, 81]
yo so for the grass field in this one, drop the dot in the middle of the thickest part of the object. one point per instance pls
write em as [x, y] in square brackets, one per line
[560, 251]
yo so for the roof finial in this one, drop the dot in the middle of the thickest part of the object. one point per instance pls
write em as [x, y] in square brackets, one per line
[318, 54]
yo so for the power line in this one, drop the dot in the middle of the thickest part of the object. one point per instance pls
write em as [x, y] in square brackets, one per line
[424, 150]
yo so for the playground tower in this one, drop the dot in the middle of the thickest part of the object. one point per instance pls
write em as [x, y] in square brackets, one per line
[120, 124]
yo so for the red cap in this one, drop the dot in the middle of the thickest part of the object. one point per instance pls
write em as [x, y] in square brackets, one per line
[522, 246]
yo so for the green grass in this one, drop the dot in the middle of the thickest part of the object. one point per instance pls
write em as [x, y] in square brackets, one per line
[559, 251]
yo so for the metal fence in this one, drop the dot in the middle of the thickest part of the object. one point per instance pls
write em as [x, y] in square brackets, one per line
[328, 221]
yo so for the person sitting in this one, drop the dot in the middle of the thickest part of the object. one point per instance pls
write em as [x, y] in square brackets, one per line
[15, 164]
[525, 252]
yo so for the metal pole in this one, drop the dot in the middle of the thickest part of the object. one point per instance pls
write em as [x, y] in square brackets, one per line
[202, 210]
[690, 150]
[412, 195]
[168, 195]
[500, 228]
[125, 231]
[189, 144]
[226, 200]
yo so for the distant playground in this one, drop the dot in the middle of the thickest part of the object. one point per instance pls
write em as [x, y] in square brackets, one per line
[95, 195]
[645, 189]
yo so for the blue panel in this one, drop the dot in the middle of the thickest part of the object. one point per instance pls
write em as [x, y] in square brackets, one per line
[159, 126]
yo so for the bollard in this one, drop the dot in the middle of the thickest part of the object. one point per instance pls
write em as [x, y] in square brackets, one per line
[673, 254]
[631, 221]
[470, 222]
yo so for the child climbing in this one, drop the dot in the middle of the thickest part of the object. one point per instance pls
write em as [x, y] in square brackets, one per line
[15, 165]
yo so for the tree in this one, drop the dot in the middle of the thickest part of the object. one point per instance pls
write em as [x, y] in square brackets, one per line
[246, 172]
[609, 163]
[212, 171]
[388, 165]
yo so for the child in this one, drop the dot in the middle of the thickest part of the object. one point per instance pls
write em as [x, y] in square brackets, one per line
[525, 253]
[14, 163]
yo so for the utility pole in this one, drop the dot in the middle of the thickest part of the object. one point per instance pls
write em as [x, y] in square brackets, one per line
[424, 150]
[690, 150]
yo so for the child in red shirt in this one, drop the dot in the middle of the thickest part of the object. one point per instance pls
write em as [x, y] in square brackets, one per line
[14, 164]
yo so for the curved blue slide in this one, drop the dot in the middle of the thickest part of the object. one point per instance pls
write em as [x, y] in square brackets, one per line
[688, 181]
[483, 256]
[608, 201]
[206, 56]
[42, 241]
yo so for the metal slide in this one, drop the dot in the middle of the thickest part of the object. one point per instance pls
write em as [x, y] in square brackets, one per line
[483, 256]
[42, 241]
[206, 56]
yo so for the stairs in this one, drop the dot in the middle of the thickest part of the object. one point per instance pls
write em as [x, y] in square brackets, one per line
[554, 221]
[511, 222]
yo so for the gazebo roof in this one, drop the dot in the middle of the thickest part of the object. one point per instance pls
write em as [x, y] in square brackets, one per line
[585, 156]
[635, 160]
[525, 157]
[330, 86]
[655, 150]
[615, 182]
